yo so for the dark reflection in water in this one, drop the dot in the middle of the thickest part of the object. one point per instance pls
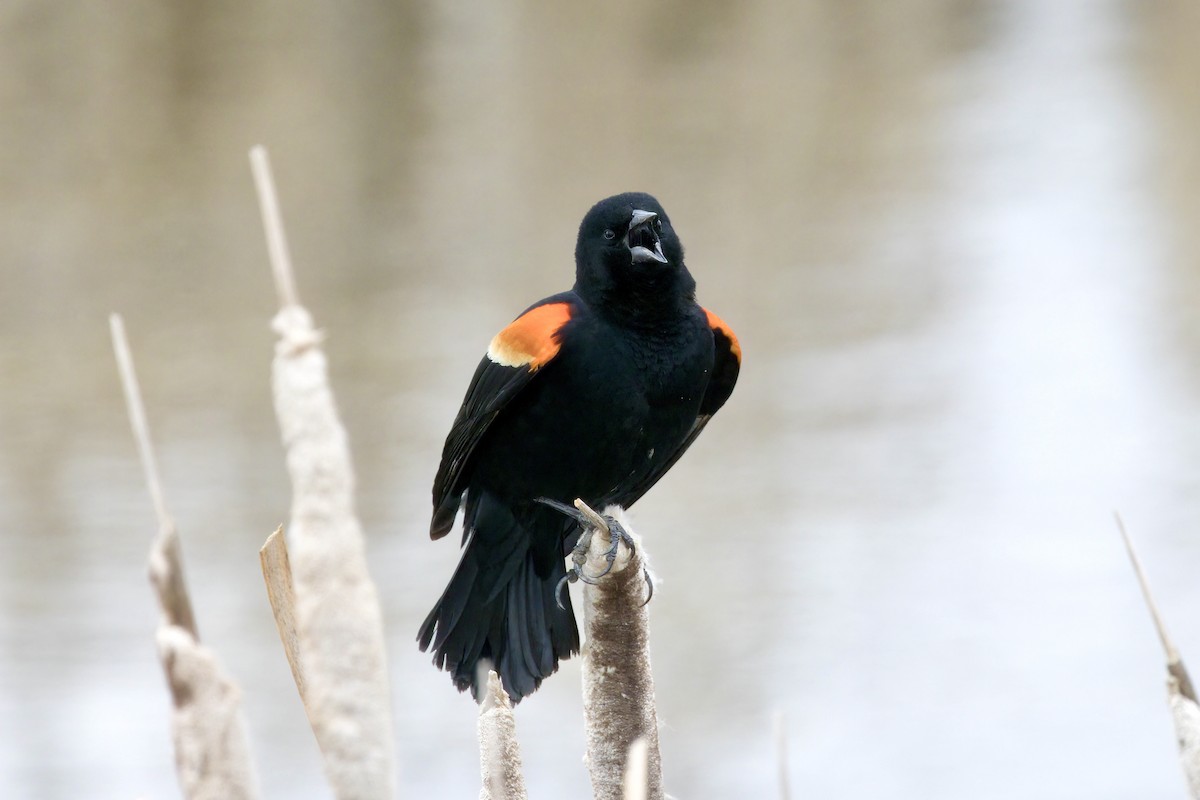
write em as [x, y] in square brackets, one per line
[957, 240]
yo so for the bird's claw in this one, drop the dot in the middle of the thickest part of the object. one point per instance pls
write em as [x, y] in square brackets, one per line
[590, 522]
[649, 586]
[570, 577]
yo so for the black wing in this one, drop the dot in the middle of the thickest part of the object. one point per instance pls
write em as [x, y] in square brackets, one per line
[727, 362]
[514, 357]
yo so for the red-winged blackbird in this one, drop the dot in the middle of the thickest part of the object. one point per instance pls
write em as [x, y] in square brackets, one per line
[592, 393]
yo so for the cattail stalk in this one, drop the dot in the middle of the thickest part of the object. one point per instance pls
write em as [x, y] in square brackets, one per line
[499, 752]
[212, 750]
[618, 687]
[1181, 696]
[338, 620]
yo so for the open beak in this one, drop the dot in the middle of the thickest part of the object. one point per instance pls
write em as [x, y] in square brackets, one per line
[642, 240]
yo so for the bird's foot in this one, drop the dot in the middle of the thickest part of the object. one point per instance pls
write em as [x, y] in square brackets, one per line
[590, 522]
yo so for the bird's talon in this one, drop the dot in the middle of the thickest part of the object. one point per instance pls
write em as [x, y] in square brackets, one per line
[611, 560]
[562, 584]
[649, 586]
[591, 580]
[591, 523]
[616, 534]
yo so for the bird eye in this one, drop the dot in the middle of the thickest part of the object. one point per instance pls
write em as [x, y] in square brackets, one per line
[657, 225]
[610, 234]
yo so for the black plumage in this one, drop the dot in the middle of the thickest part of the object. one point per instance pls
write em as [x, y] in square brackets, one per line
[593, 393]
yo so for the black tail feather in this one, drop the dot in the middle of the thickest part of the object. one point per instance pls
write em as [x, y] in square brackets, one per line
[498, 607]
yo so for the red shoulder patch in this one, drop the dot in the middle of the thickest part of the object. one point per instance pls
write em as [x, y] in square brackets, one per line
[530, 339]
[718, 324]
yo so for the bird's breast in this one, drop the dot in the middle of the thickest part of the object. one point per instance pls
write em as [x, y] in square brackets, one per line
[609, 404]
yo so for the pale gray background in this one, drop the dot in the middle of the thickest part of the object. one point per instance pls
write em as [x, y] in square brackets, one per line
[958, 240]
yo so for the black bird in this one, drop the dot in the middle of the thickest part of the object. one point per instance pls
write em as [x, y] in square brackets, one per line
[592, 393]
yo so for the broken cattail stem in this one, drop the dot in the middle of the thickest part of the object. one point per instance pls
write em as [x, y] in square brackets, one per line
[277, 573]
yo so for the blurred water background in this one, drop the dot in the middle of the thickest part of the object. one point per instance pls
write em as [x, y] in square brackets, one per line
[958, 240]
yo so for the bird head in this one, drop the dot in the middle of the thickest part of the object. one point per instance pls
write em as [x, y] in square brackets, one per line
[628, 252]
